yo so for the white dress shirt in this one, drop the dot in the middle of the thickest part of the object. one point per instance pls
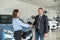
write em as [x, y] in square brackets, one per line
[18, 25]
[41, 15]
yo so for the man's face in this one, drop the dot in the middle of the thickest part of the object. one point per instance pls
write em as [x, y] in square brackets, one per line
[40, 11]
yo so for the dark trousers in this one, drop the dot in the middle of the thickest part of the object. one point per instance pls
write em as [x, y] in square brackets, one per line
[18, 35]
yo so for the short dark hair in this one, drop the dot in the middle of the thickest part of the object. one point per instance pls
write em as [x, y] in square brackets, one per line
[15, 11]
[40, 8]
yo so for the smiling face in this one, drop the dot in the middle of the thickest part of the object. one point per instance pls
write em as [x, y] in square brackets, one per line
[40, 11]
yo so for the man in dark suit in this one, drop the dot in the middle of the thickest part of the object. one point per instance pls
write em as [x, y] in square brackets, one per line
[41, 25]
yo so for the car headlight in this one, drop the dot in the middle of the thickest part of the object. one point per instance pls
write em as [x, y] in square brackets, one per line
[7, 31]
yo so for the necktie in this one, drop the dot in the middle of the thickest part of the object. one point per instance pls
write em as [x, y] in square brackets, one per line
[38, 23]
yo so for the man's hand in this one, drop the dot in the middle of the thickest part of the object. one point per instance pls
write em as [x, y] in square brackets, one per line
[31, 26]
[45, 35]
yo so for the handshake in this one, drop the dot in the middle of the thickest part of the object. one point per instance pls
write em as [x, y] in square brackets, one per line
[31, 25]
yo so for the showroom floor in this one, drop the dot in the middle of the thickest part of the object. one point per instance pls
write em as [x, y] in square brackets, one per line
[54, 35]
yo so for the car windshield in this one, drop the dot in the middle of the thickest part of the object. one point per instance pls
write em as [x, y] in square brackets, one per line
[5, 19]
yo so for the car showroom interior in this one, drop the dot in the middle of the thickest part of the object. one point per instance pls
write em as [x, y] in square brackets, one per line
[28, 11]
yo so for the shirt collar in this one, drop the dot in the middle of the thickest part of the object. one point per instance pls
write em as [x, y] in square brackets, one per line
[41, 15]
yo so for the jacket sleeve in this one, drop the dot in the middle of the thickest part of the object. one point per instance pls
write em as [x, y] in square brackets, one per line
[35, 21]
[46, 25]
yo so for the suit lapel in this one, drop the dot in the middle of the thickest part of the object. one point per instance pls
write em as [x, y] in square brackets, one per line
[42, 17]
[38, 17]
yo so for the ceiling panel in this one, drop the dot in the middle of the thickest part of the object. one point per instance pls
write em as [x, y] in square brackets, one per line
[53, 4]
[44, 3]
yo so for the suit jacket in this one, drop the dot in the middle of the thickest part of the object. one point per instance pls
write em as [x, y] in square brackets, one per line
[43, 24]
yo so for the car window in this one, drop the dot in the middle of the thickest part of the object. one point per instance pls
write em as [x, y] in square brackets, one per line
[5, 19]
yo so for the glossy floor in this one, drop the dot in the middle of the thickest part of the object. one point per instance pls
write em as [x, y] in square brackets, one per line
[53, 35]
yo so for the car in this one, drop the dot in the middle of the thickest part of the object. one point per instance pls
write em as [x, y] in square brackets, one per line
[6, 28]
[7, 35]
[7, 31]
[27, 33]
[53, 24]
